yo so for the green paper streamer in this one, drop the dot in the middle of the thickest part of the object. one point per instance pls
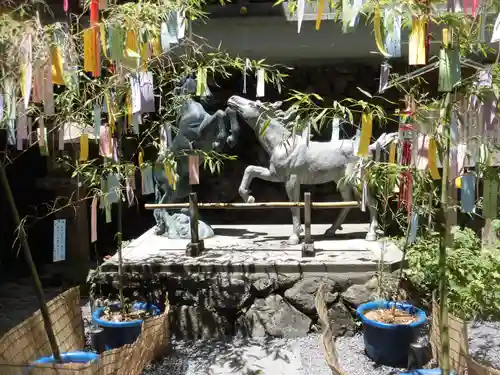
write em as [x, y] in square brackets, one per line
[116, 43]
[201, 81]
[490, 199]
[445, 84]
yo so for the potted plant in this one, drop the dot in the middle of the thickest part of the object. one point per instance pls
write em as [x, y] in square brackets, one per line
[388, 330]
[122, 326]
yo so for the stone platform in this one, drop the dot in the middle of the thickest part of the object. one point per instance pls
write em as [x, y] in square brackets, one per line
[250, 281]
[258, 248]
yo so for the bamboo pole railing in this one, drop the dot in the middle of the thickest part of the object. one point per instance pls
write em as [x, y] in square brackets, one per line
[196, 245]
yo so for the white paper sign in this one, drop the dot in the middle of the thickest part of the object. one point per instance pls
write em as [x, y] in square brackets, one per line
[59, 240]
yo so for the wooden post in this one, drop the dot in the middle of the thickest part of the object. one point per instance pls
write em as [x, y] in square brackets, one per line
[308, 245]
[195, 247]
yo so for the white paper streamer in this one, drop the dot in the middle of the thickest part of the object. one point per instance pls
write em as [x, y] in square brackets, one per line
[261, 74]
[495, 35]
[392, 26]
[301, 6]
[335, 129]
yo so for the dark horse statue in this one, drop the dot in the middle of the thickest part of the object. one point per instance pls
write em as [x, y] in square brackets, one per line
[197, 130]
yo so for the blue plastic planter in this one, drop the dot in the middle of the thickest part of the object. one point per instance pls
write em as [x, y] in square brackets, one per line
[432, 371]
[117, 334]
[71, 357]
[388, 344]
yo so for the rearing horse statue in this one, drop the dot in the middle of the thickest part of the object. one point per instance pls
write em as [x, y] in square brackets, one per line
[197, 130]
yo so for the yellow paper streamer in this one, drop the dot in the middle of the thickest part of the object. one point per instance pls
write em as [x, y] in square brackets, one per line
[84, 147]
[170, 176]
[432, 161]
[131, 44]
[156, 44]
[88, 51]
[321, 8]
[417, 42]
[140, 159]
[458, 182]
[129, 107]
[57, 66]
[144, 56]
[378, 32]
[102, 34]
[366, 134]
[392, 153]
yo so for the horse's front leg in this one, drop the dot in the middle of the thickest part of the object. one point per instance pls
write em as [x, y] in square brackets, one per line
[292, 187]
[251, 172]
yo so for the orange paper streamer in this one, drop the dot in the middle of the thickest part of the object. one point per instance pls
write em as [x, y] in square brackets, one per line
[321, 8]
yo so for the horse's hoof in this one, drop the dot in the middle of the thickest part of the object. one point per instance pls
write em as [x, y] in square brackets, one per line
[330, 232]
[251, 199]
[293, 240]
[371, 237]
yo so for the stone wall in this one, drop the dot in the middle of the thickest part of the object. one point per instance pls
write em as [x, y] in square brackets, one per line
[253, 304]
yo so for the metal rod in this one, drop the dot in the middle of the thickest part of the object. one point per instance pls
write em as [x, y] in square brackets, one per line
[263, 205]
[34, 274]
[307, 218]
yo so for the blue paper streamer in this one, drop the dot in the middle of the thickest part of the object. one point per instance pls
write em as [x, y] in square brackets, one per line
[468, 193]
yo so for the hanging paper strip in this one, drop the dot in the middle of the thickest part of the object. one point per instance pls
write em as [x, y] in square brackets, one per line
[129, 192]
[384, 77]
[319, 17]
[335, 129]
[21, 126]
[156, 46]
[495, 36]
[97, 121]
[26, 69]
[261, 79]
[84, 147]
[147, 180]
[301, 5]
[93, 220]
[38, 78]
[105, 142]
[366, 134]
[417, 49]
[147, 92]
[349, 15]
[413, 228]
[392, 153]
[61, 137]
[181, 24]
[135, 93]
[42, 138]
[468, 192]
[113, 182]
[378, 32]
[245, 71]
[48, 89]
[194, 169]
[11, 109]
[432, 159]
[171, 176]
[132, 45]
[88, 51]
[392, 27]
[490, 198]
[102, 37]
[116, 43]
[57, 65]
[201, 81]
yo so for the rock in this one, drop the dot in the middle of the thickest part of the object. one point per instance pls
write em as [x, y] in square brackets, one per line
[193, 322]
[229, 292]
[358, 294]
[273, 316]
[265, 284]
[341, 320]
[303, 293]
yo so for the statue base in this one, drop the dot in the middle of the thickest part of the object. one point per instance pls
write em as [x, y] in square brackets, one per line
[178, 226]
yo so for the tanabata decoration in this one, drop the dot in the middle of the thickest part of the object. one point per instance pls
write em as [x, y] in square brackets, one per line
[261, 79]
[378, 32]
[201, 81]
[417, 45]
[350, 12]
[490, 198]
[468, 192]
[57, 65]
[93, 220]
[26, 69]
[301, 5]
[449, 65]
[61, 137]
[147, 92]
[335, 129]
[366, 134]
[246, 68]
[194, 169]
[10, 109]
[432, 159]
[319, 17]
[392, 27]
[42, 137]
[84, 147]
[384, 77]
[48, 89]
[21, 126]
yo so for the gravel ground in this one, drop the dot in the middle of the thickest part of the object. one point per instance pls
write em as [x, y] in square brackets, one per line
[188, 358]
[484, 343]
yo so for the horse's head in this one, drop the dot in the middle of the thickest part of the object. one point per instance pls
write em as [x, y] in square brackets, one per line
[251, 110]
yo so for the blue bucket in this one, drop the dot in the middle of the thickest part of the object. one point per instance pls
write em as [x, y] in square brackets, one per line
[389, 344]
[71, 357]
[425, 371]
[117, 334]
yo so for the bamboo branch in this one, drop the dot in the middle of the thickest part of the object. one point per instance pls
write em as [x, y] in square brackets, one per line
[34, 274]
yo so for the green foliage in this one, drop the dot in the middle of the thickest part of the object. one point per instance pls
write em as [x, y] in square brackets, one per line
[473, 273]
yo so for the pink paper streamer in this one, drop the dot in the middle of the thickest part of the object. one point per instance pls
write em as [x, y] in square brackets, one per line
[104, 144]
